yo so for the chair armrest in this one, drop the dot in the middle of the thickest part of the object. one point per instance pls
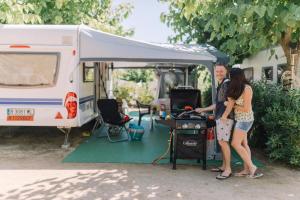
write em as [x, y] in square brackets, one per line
[145, 105]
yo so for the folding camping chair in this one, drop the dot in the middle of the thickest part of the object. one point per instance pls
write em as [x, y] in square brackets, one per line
[144, 109]
[112, 119]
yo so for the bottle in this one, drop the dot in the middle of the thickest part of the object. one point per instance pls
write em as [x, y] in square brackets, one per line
[162, 112]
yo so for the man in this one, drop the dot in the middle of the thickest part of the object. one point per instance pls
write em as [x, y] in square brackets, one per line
[223, 127]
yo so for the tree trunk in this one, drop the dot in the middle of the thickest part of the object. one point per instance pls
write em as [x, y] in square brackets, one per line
[297, 70]
[285, 42]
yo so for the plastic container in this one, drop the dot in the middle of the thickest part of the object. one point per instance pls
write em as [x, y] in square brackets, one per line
[136, 132]
[162, 113]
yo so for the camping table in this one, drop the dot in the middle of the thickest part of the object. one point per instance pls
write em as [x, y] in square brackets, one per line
[171, 123]
[156, 104]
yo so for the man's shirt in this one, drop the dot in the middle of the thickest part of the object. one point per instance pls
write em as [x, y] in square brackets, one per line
[221, 97]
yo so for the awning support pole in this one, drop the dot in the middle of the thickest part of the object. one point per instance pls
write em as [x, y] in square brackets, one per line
[110, 82]
[186, 76]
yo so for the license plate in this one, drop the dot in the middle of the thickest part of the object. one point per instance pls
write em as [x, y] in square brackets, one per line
[20, 114]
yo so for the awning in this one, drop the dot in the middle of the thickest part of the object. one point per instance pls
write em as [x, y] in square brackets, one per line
[100, 46]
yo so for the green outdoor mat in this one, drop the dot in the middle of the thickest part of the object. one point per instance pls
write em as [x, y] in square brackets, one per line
[153, 145]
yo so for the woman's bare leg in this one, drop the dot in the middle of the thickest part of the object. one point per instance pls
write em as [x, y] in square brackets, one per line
[238, 138]
[246, 170]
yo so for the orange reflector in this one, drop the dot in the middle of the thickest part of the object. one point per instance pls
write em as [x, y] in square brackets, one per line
[58, 115]
[19, 46]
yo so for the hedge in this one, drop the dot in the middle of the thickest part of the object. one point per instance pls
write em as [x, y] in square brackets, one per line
[277, 122]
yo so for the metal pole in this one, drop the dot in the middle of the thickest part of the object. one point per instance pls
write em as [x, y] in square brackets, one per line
[186, 76]
[213, 83]
[110, 81]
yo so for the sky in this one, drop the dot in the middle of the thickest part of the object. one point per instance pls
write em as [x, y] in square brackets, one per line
[145, 19]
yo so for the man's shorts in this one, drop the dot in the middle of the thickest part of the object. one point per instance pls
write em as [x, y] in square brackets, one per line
[224, 129]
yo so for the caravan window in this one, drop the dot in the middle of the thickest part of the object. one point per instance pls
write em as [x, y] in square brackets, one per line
[88, 72]
[267, 73]
[28, 69]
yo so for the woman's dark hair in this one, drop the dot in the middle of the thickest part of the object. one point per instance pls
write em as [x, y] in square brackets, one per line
[237, 83]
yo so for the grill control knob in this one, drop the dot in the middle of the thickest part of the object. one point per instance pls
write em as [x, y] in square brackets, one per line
[184, 126]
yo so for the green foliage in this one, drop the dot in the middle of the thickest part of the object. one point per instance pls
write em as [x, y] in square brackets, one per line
[130, 93]
[98, 14]
[134, 85]
[145, 96]
[239, 27]
[138, 75]
[207, 97]
[204, 84]
[124, 92]
[277, 122]
[263, 97]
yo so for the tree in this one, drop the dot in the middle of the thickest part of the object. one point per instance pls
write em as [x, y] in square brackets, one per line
[98, 14]
[237, 27]
[138, 75]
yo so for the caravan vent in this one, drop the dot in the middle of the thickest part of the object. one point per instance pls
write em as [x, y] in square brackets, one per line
[67, 40]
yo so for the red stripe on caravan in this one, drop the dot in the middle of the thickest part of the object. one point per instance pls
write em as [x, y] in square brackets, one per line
[19, 46]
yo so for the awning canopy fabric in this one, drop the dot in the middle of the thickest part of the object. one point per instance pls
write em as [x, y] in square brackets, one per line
[94, 45]
[100, 46]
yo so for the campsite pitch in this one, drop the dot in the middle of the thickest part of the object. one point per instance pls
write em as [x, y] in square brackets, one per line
[31, 167]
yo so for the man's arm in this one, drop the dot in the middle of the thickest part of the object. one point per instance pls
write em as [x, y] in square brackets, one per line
[229, 108]
[209, 108]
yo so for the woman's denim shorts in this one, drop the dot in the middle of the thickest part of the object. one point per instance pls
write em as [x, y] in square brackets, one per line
[244, 126]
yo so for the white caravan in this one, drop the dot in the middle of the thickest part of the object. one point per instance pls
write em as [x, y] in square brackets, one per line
[43, 82]
[52, 75]
[263, 66]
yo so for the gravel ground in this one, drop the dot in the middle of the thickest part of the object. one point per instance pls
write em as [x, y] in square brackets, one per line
[31, 169]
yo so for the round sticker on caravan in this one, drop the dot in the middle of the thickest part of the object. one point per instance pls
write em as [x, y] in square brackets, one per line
[71, 105]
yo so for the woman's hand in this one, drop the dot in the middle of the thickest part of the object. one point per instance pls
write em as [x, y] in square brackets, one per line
[237, 108]
[224, 119]
[225, 103]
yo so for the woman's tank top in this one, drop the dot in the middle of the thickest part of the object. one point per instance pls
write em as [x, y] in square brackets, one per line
[243, 116]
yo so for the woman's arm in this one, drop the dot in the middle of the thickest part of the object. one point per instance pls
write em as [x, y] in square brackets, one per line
[229, 108]
[247, 101]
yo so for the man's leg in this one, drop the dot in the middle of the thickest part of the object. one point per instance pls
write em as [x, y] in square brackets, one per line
[223, 136]
[223, 166]
[223, 161]
[226, 157]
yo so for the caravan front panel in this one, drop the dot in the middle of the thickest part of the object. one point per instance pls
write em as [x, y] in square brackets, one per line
[38, 86]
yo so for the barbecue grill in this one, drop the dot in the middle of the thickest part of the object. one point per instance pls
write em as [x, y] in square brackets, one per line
[189, 130]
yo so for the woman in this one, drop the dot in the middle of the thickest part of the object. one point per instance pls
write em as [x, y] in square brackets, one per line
[239, 98]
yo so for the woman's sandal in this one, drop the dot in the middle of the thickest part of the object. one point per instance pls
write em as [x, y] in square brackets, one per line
[255, 174]
[217, 170]
[222, 177]
[241, 174]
